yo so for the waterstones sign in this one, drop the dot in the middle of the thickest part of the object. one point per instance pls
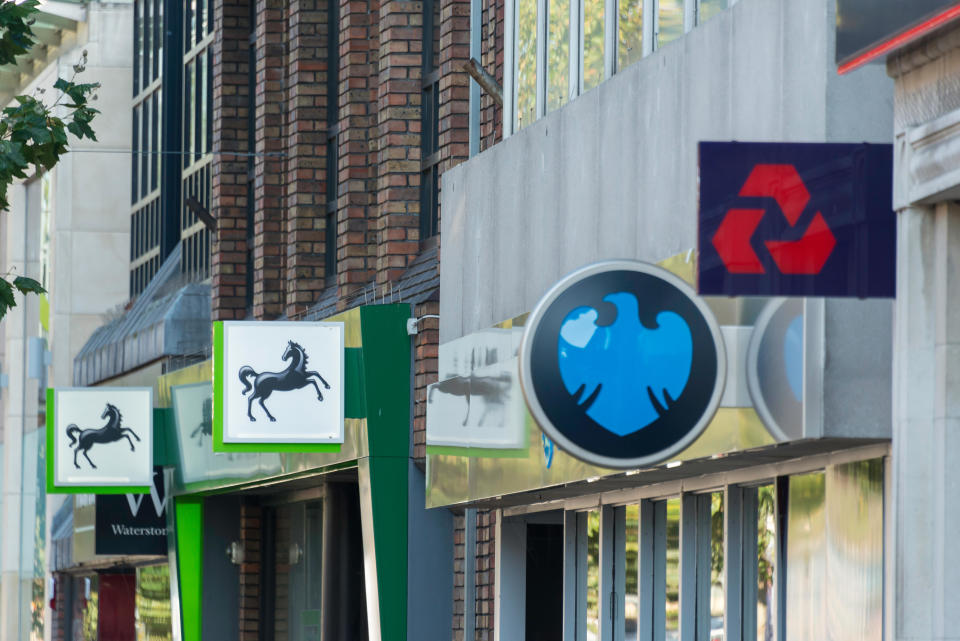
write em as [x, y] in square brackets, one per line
[133, 523]
[278, 387]
[101, 440]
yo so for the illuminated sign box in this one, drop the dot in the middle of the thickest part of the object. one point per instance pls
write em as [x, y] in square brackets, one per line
[100, 440]
[278, 387]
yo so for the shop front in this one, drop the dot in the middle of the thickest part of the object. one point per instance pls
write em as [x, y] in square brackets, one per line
[767, 515]
[277, 542]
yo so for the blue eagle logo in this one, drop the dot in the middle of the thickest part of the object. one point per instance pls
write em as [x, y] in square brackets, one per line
[625, 375]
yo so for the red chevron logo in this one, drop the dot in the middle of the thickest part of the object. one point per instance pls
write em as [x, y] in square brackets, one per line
[805, 256]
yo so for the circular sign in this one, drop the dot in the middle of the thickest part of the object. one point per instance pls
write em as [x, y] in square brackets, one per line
[775, 368]
[621, 364]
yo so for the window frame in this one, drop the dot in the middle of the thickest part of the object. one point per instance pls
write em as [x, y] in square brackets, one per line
[575, 84]
[740, 489]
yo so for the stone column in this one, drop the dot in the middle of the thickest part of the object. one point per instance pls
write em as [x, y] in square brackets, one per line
[926, 428]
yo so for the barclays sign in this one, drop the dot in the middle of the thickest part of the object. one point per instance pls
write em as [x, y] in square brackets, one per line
[622, 365]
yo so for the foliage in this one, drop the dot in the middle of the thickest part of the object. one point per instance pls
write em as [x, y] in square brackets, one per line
[33, 137]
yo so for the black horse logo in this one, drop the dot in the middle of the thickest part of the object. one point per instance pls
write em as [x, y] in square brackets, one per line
[205, 427]
[109, 433]
[296, 376]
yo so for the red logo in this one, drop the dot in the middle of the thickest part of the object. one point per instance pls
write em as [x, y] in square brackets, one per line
[806, 255]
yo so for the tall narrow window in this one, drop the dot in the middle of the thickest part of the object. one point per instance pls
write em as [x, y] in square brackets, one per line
[717, 597]
[672, 573]
[333, 116]
[806, 562]
[593, 42]
[631, 600]
[526, 64]
[430, 128]
[706, 9]
[766, 603]
[558, 54]
[629, 32]
[669, 21]
[593, 575]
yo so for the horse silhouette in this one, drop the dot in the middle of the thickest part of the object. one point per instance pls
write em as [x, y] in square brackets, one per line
[109, 433]
[205, 427]
[296, 376]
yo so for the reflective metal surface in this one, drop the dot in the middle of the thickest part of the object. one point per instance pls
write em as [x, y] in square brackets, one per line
[199, 468]
[493, 447]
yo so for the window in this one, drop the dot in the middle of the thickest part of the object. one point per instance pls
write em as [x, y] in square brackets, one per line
[559, 49]
[197, 157]
[707, 565]
[333, 116]
[430, 123]
[146, 141]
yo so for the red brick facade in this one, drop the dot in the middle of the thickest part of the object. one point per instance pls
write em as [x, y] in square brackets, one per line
[305, 189]
[278, 181]
[249, 611]
[483, 577]
[231, 92]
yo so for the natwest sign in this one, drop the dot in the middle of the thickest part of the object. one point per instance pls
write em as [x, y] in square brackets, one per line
[796, 219]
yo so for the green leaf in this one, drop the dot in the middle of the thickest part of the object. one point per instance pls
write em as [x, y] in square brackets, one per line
[6, 294]
[28, 285]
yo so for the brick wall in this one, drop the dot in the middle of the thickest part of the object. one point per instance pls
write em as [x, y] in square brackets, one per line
[483, 578]
[305, 198]
[491, 127]
[229, 172]
[359, 32]
[249, 611]
[269, 246]
[424, 373]
[398, 158]
[58, 618]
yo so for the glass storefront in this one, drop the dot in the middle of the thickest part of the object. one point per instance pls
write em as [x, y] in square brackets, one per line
[715, 561]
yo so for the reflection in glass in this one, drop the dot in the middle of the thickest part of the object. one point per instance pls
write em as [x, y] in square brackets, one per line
[526, 52]
[716, 565]
[854, 583]
[593, 39]
[629, 33]
[806, 560]
[299, 532]
[766, 563]
[558, 54]
[673, 570]
[710, 8]
[152, 615]
[631, 606]
[669, 21]
[86, 608]
[593, 575]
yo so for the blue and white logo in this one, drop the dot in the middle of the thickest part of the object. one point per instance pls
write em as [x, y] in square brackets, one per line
[622, 365]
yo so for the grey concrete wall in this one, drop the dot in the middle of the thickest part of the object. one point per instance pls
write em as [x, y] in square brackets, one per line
[613, 174]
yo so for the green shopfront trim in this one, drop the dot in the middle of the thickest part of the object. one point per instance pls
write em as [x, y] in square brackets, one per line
[376, 443]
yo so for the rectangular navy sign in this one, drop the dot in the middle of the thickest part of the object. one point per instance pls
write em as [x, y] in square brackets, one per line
[796, 219]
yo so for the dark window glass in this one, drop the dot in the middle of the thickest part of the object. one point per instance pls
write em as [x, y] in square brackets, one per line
[154, 139]
[135, 157]
[137, 43]
[187, 112]
[199, 105]
[147, 47]
[157, 38]
[188, 18]
[209, 99]
[145, 157]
